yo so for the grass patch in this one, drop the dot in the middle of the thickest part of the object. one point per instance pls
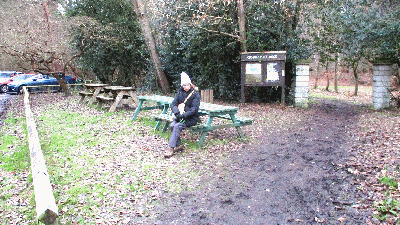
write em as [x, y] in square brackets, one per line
[14, 148]
[146, 121]
[346, 88]
[90, 172]
[321, 95]
[389, 205]
[389, 181]
[15, 180]
[101, 165]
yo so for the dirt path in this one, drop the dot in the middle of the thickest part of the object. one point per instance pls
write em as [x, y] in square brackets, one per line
[291, 176]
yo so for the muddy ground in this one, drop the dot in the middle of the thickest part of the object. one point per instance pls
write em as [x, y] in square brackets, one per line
[292, 172]
[291, 175]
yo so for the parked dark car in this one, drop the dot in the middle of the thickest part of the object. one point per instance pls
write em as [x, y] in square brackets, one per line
[38, 80]
[4, 83]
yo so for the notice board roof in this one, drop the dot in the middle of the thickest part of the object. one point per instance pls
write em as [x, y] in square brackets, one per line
[263, 56]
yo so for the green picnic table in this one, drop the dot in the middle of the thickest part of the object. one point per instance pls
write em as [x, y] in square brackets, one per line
[213, 111]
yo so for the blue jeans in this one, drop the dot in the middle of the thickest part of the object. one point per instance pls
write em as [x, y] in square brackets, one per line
[176, 129]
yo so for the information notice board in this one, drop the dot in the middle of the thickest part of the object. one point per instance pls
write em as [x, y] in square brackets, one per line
[263, 69]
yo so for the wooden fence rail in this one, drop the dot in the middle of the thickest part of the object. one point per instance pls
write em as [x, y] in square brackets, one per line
[46, 208]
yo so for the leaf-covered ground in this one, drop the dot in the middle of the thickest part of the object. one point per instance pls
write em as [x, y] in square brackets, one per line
[334, 162]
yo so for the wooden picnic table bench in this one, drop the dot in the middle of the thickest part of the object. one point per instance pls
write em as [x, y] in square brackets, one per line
[213, 111]
[91, 90]
[115, 94]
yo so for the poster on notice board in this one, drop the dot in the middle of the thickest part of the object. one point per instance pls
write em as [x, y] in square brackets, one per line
[253, 73]
[272, 73]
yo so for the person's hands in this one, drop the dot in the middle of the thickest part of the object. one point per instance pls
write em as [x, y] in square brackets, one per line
[179, 117]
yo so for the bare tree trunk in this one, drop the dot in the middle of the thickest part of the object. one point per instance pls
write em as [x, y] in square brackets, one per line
[140, 10]
[327, 77]
[46, 15]
[396, 73]
[242, 26]
[336, 73]
[355, 65]
[316, 77]
[61, 80]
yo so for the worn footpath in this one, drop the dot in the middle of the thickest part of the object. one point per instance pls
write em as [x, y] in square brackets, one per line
[293, 174]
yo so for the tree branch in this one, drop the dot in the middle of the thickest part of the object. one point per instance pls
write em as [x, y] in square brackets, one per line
[219, 32]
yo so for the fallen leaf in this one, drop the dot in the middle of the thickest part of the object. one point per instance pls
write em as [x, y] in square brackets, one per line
[342, 219]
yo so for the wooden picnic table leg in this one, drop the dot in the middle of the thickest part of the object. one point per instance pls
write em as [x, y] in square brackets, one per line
[239, 130]
[82, 98]
[137, 109]
[99, 103]
[96, 92]
[133, 96]
[165, 108]
[204, 133]
[117, 101]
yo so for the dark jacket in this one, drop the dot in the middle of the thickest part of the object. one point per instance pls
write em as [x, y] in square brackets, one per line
[192, 105]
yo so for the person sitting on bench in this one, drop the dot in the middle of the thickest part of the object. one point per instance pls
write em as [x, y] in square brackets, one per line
[185, 107]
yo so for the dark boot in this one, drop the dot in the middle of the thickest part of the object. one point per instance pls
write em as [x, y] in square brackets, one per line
[169, 152]
[178, 148]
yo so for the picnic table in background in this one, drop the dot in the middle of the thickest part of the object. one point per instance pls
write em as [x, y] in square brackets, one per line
[91, 90]
[115, 94]
[227, 113]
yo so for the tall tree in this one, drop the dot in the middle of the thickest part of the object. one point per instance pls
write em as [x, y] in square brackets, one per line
[107, 38]
[242, 25]
[34, 35]
[325, 29]
[275, 26]
[204, 38]
[352, 37]
[382, 34]
[141, 11]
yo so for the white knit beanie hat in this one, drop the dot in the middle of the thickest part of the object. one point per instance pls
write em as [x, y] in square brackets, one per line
[185, 79]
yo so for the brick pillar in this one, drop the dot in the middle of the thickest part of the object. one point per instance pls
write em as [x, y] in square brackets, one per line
[301, 85]
[382, 84]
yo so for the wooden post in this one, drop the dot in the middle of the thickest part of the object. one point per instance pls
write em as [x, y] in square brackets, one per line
[46, 208]
[207, 96]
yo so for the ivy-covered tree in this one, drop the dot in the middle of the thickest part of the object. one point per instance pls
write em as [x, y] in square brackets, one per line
[109, 41]
[352, 37]
[277, 26]
[356, 30]
[324, 30]
[203, 38]
[383, 31]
